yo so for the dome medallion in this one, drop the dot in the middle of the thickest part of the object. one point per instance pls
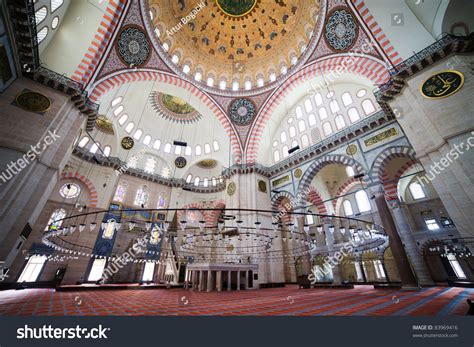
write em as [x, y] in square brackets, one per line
[341, 30]
[234, 8]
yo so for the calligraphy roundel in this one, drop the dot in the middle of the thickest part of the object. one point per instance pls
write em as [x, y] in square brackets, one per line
[442, 84]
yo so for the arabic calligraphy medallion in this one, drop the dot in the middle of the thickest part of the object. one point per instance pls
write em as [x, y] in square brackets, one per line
[442, 84]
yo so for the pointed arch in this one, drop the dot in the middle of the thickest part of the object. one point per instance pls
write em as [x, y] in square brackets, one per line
[90, 186]
[381, 161]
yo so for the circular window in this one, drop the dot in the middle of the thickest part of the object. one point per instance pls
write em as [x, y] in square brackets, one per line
[70, 191]
[54, 23]
[361, 93]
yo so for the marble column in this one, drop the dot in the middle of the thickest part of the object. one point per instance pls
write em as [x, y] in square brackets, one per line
[209, 281]
[336, 272]
[402, 217]
[201, 280]
[229, 280]
[238, 280]
[247, 279]
[401, 260]
[219, 280]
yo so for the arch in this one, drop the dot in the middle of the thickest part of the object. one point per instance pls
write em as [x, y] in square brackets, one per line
[211, 217]
[99, 44]
[129, 76]
[390, 185]
[315, 199]
[369, 67]
[376, 30]
[277, 198]
[90, 186]
[346, 187]
[318, 164]
[381, 161]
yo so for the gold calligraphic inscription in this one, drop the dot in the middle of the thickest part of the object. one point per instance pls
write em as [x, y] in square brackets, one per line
[33, 101]
[380, 137]
[298, 173]
[231, 188]
[262, 186]
[127, 143]
[351, 149]
[280, 181]
[442, 84]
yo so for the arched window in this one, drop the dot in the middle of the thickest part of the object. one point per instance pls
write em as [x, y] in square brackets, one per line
[283, 137]
[123, 118]
[305, 140]
[118, 110]
[189, 178]
[275, 143]
[294, 143]
[147, 140]
[334, 105]
[70, 191]
[215, 145]
[128, 129]
[207, 148]
[363, 202]
[361, 93]
[318, 99]
[285, 151]
[83, 141]
[347, 208]
[350, 171]
[368, 106]
[120, 192]
[276, 156]
[138, 134]
[340, 123]
[40, 15]
[95, 146]
[142, 196]
[196, 181]
[416, 191]
[292, 131]
[327, 128]
[188, 150]
[311, 120]
[308, 106]
[107, 150]
[150, 165]
[299, 111]
[290, 120]
[301, 126]
[346, 99]
[116, 101]
[198, 150]
[214, 181]
[205, 182]
[42, 34]
[55, 220]
[353, 114]
[157, 144]
[167, 148]
[55, 4]
[323, 114]
[55, 22]
[177, 150]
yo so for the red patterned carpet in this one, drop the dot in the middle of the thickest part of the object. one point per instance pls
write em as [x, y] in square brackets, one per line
[362, 300]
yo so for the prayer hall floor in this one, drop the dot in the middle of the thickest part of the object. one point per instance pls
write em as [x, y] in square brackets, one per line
[362, 300]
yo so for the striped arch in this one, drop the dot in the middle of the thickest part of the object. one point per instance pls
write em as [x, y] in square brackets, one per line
[100, 42]
[90, 186]
[379, 164]
[369, 67]
[390, 186]
[318, 164]
[376, 30]
[149, 75]
[344, 189]
[315, 199]
[210, 217]
[276, 204]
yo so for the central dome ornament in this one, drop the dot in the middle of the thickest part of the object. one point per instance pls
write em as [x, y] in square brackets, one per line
[242, 111]
[341, 30]
[234, 8]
